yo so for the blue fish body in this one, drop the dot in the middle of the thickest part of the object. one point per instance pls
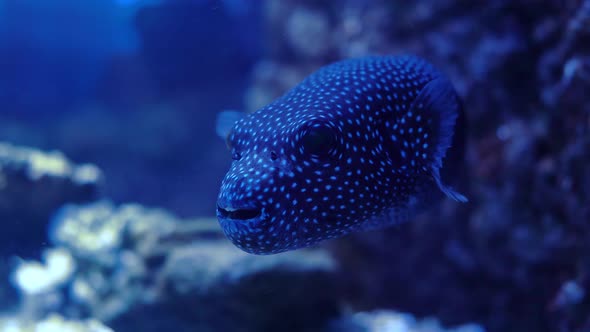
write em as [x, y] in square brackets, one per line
[357, 145]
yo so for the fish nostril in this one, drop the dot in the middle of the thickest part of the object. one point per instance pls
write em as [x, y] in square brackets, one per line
[273, 156]
[238, 214]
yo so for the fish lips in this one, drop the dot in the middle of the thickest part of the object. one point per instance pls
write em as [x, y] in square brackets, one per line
[237, 218]
[244, 214]
[242, 227]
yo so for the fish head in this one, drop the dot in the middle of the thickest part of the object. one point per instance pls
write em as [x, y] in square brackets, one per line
[287, 186]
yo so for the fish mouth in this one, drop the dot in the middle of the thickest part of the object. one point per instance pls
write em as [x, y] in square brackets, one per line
[243, 214]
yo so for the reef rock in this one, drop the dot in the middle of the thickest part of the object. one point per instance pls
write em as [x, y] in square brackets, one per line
[33, 184]
[52, 323]
[391, 321]
[125, 261]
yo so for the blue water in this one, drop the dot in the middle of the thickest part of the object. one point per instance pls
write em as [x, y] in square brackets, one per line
[70, 65]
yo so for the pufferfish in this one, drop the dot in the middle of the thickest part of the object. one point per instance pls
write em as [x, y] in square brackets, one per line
[357, 145]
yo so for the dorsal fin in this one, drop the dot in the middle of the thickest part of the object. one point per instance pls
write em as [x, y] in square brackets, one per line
[426, 130]
[226, 121]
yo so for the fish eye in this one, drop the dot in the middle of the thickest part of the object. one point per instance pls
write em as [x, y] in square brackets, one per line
[318, 141]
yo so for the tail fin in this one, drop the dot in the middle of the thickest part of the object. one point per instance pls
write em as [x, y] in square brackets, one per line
[429, 126]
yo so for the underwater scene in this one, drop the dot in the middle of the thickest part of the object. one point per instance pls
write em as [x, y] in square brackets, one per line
[295, 165]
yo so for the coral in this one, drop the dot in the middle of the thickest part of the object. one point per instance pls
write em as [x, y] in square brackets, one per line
[52, 323]
[115, 263]
[35, 278]
[33, 184]
[391, 321]
[110, 246]
[99, 232]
